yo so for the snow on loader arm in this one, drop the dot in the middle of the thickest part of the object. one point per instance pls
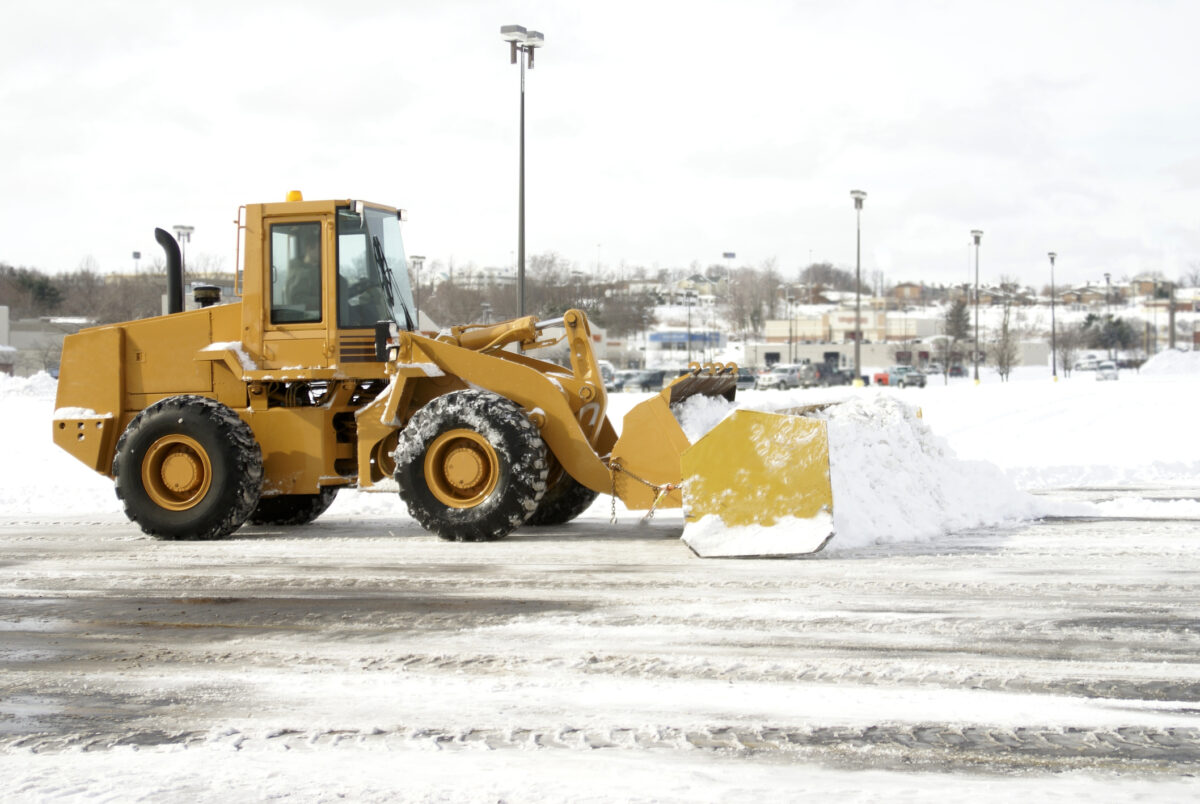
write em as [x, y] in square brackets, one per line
[757, 484]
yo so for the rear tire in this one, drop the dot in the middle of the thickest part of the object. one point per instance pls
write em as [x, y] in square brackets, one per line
[471, 466]
[188, 468]
[293, 509]
[566, 499]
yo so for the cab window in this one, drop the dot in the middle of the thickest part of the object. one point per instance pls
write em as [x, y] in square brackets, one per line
[295, 272]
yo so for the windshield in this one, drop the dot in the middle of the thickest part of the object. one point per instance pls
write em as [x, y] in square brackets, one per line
[372, 270]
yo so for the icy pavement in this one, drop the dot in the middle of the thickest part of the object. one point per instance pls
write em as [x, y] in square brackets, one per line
[365, 659]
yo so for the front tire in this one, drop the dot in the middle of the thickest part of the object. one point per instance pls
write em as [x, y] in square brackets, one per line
[188, 468]
[471, 466]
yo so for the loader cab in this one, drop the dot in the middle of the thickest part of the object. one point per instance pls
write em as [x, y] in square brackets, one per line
[333, 270]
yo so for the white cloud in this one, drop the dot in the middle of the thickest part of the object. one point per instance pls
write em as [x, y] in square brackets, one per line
[666, 133]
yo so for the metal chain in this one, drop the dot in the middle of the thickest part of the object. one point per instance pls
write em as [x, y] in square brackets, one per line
[660, 492]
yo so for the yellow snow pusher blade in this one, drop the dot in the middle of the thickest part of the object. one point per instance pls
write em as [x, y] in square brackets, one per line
[757, 484]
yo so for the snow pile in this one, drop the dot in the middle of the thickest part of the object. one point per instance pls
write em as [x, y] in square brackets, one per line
[1076, 432]
[39, 386]
[36, 477]
[1173, 361]
[893, 480]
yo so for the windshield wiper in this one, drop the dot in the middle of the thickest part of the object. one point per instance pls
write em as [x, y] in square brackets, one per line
[388, 280]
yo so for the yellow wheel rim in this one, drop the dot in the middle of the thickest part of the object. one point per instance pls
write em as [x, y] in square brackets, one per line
[176, 472]
[461, 468]
[383, 454]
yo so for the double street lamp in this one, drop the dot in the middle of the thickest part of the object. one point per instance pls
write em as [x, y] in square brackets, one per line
[858, 196]
[184, 235]
[521, 42]
[977, 234]
[417, 262]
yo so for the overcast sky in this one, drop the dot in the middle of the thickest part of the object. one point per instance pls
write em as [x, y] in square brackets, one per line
[657, 133]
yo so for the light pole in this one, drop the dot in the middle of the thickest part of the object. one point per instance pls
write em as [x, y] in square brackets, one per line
[417, 263]
[184, 235]
[977, 234]
[525, 42]
[1154, 304]
[687, 298]
[858, 196]
[1053, 330]
[1107, 289]
[791, 351]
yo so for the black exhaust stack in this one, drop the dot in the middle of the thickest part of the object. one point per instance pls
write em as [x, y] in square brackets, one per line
[174, 270]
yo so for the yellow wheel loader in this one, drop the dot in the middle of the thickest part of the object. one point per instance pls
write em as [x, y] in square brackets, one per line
[316, 379]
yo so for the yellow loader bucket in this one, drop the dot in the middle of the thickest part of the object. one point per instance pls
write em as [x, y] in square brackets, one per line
[757, 484]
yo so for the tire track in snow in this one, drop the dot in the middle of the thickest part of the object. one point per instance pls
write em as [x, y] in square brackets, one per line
[914, 747]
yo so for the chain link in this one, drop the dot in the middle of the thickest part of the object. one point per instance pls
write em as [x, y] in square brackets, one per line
[660, 492]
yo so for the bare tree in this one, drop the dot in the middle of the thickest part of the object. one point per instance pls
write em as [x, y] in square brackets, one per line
[1191, 277]
[823, 273]
[1070, 339]
[626, 313]
[1005, 349]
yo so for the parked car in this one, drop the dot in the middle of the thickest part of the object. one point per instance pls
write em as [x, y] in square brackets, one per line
[1106, 370]
[786, 377]
[900, 377]
[745, 378]
[651, 380]
[934, 369]
[608, 373]
[622, 376]
[907, 377]
[957, 371]
[1087, 364]
[827, 374]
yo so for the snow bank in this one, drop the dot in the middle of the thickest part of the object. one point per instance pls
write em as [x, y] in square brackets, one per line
[39, 386]
[36, 477]
[893, 480]
[1076, 432]
[1172, 362]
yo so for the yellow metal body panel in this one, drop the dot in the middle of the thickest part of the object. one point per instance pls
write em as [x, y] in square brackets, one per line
[91, 372]
[299, 449]
[756, 468]
[90, 439]
[159, 354]
[109, 373]
[648, 454]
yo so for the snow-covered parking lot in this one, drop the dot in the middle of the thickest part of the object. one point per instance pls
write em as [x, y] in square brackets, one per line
[1052, 657]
